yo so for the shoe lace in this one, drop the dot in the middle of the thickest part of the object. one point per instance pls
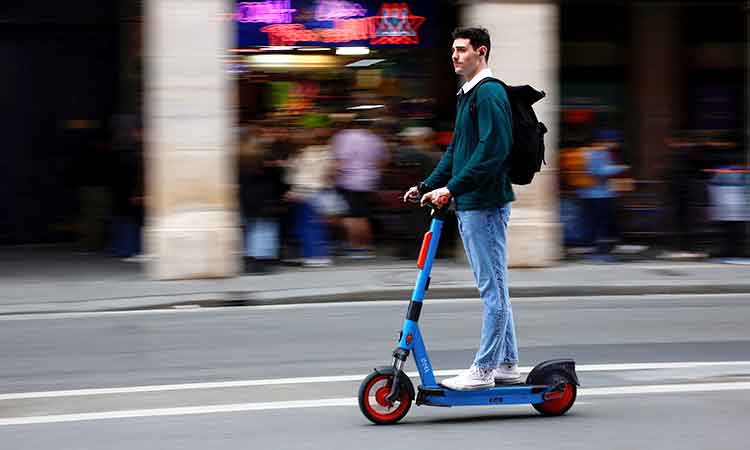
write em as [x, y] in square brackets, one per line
[478, 372]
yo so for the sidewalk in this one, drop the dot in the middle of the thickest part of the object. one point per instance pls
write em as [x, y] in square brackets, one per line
[39, 280]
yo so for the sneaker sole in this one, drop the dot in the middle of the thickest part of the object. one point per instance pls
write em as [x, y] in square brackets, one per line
[469, 388]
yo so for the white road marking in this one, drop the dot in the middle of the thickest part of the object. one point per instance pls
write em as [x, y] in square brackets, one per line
[182, 411]
[345, 378]
[351, 401]
[664, 389]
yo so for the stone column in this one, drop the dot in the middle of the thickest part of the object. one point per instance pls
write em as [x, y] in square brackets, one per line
[192, 225]
[525, 50]
[658, 76]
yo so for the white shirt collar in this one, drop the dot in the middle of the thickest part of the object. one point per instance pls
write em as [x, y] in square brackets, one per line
[469, 85]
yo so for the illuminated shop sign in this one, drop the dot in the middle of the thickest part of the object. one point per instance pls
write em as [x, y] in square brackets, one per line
[338, 9]
[395, 24]
[265, 12]
[334, 22]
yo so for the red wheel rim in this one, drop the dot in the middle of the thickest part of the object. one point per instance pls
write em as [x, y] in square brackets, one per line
[381, 395]
[377, 406]
[558, 405]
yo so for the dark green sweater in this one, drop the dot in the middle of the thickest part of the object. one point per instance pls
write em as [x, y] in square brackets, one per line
[472, 167]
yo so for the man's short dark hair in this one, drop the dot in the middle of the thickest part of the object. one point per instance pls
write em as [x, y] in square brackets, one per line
[476, 36]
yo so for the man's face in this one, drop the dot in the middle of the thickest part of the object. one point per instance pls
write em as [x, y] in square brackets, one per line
[466, 59]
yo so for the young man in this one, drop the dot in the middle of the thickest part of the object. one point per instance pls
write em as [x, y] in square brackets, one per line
[472, 171]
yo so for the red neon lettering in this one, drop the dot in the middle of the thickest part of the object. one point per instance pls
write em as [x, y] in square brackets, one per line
[358, 29]
[394, 25]
[344, 31]
[288, 34]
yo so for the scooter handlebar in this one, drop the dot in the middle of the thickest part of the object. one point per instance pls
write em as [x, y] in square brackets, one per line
[416, 197]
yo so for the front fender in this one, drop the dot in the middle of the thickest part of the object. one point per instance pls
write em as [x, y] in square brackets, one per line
[403, 379]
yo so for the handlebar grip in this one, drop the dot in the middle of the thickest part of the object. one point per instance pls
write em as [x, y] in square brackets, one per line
[414, 198]
[437, 207]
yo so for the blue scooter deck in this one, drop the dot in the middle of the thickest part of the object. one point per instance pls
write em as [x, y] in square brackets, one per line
[511, 394]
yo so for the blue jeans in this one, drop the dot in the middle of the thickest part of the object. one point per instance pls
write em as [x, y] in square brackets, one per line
[599, 213]
[309, 229]
[483, 233]
[261, 237]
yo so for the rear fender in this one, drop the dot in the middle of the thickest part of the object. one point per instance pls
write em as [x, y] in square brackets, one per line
[540, 372]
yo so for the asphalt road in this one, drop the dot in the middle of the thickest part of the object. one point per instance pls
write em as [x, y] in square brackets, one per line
[657, 372]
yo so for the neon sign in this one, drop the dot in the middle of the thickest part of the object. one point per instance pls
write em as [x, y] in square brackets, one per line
[293, 33]
[338, 9]
[394, 25]
[272, 11]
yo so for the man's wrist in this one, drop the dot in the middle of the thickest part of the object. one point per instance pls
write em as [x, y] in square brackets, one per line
[451, 188]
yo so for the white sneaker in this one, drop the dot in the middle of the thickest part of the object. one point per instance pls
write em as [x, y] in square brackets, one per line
[469, 380]
[507, 373]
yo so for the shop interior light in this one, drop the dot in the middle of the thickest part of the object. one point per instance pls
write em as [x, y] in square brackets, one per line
[365, 63]
[352, 51]
[279, 48]
[244, 50]
[280, 60]
[314, 49]
[276, 60]
[365, 107]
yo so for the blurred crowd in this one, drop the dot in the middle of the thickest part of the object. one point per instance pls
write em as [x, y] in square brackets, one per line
[317, 187]
[697, 205]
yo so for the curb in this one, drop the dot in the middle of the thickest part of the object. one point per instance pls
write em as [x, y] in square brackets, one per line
[286, 297]
[267, 298]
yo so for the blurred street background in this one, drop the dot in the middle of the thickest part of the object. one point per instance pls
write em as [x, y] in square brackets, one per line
[203, 202]
[228, 154]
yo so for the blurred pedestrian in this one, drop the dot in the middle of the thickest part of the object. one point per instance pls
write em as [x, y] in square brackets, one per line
[574, 176]
[359, 156]
[687, 193]
[262, 188]
[599, 198]
[308, 175]
[729, 191]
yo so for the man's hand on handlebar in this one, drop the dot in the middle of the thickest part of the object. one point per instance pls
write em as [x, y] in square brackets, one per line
[438, 197]
[412, 195]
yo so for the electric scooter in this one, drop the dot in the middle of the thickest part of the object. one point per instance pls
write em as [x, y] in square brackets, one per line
[386, 394]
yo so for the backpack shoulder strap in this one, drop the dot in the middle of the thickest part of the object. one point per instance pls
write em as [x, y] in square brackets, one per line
[488, 80]
[473, 91]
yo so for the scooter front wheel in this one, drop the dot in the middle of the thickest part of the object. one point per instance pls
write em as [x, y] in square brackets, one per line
[374, 404]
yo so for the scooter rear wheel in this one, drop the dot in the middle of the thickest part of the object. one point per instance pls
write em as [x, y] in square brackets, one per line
[561, 403]
[373, 403]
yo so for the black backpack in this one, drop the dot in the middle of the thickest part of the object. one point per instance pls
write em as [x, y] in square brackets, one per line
[527, 151]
